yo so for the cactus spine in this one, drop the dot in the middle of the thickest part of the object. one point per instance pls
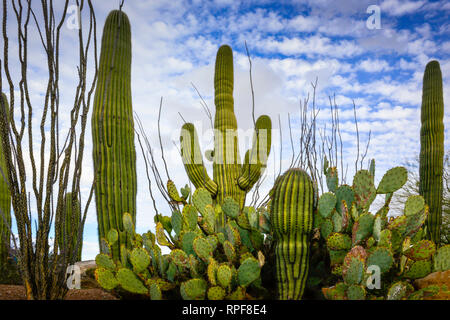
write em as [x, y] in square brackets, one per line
[432, 147]
[114, 151]
[292, 218]
[230, 177]
[71, 226]
[5, 201]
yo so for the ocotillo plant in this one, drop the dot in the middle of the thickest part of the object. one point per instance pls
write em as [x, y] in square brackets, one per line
[230, 177]
[114, 152]
[5, 202]
[432, 147]
[291, 216]
[71, 226]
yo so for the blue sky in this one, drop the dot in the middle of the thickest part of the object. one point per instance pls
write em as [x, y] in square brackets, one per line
[291, 43]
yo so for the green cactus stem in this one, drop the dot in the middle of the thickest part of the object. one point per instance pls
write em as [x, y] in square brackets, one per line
[71, 226]
[292, 218]
[114, 151]
[432, 147]
[230, 177]
[5, 201]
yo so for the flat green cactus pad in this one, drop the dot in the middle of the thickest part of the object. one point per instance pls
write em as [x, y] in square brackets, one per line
[173, 192]
[201, 198]
[139, 259]
[187, 242]
[422, 250]
[128, 222]
[393, 180]
[230, 252]
[130, 282]
[180, 258]
[354, 265]
[190, 217]
[362, 228]
[382, 258]
[356, 292]
[224, 275]
[414, 204]
[194, 289]
[339, 241]
[230, 207]
[248, 271]
[337, 256]
[106, 278]
[327, 203]
[337, 221]
[211, 271]
[441, 260]
[399, 290]
[338, 292]
[155, 292]
[104, 261]
[346, 193]
[112, 236]
[216, 293]
[202, 248]
[177, 221]
[418, 269]
[364, 189]
[326, 228]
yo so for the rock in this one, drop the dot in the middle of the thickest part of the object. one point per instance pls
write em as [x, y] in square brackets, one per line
[86, 265]
[436, 278]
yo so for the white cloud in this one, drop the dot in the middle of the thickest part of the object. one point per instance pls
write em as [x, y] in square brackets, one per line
[310, 46]
[399, 7]
[374, 65]
[303, 23]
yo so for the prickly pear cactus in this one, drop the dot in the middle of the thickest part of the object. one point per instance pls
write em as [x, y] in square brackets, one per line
[364, 247]
[292, 218]
[206, 260]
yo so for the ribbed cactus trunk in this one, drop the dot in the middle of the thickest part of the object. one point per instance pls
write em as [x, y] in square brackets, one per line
[432, 147]
[292, 217]
[114, 151]
[230, 177]
[5, 202]
[227, 161]
[71, 227]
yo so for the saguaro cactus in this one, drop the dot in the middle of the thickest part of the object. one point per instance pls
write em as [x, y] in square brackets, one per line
[230, 177]
[432, 147]
[292, 217]
[71, 227]
[5, 202]
[114, 151]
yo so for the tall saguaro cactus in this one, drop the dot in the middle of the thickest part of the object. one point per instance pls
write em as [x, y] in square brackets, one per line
[5, 201]
[230, 177]
[432, 147]
[114, 151]
[291, 218]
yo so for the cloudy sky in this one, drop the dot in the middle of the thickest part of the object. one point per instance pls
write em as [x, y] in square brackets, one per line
[291, 44]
